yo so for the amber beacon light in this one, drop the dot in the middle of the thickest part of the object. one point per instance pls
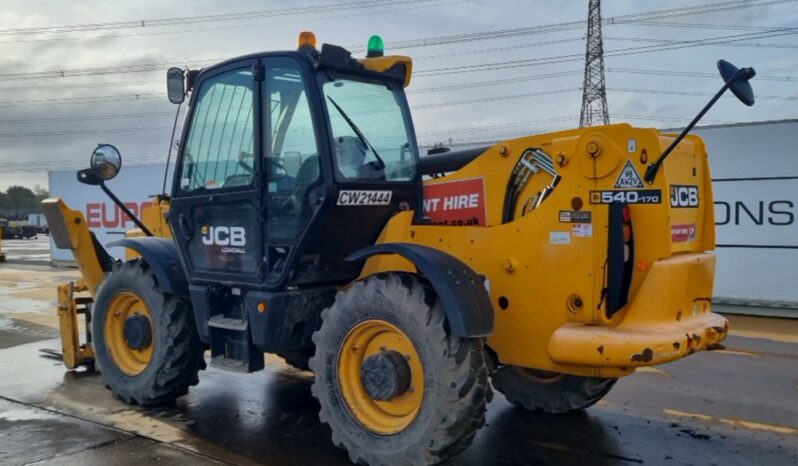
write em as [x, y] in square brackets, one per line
[306, 39]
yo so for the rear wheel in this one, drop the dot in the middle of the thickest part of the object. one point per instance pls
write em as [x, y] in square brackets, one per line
[393, 385]
[550, 392]
[145, 342]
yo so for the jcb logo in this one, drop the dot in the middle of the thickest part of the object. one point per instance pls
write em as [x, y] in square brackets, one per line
[224, 236]
[684, 196]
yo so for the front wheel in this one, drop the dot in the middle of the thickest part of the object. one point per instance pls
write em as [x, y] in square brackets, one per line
[550, 392]
[393, 385]
[146, 343]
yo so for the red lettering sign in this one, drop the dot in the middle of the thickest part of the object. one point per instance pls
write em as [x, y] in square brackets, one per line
[93, 215]
[458, 202]
[108, 215]
[682, 233]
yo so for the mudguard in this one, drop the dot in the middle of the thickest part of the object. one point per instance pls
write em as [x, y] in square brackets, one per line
[162, 256]
[462, 291]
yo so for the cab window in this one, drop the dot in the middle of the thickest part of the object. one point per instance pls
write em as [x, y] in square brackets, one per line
[219, 146]
[371, 131]
[291, 161]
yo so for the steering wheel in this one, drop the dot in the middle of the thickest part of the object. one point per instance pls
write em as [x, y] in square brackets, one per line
[245, 155]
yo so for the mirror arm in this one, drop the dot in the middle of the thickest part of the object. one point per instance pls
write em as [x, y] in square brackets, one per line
[125, 209]
[651, 171]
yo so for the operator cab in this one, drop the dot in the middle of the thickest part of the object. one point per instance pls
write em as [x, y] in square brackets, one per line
[289, 162]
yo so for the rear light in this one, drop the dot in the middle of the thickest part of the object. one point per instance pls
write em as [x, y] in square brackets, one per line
[626, 212]
[620, 258]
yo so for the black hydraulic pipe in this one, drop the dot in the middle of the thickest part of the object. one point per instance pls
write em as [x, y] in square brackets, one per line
[448, 161]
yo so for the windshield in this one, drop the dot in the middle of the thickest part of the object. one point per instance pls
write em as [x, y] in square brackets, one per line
[371, 133]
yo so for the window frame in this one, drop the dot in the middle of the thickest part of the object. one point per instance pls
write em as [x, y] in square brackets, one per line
[331, 76]
[252, 65]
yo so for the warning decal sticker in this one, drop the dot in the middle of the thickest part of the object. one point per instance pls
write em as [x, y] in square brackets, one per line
[629, 178]
[575, 216]
[582, 230]
[457, 203]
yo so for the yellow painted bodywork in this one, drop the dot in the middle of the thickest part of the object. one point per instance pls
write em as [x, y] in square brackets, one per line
[73, 224]
[75, 229]
[153, 217]
[540, 278]
[74, 352]
[380, 64]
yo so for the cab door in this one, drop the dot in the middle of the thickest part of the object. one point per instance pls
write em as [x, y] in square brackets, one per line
[216, 210]
[292, 165]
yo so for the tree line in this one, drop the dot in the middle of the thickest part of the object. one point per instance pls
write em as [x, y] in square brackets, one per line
[18, 201]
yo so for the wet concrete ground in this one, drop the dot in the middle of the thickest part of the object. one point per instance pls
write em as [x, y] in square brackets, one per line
[738, 406]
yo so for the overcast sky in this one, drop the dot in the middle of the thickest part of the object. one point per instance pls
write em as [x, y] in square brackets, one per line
[50, 121]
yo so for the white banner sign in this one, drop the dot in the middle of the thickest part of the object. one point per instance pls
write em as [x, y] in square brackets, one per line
[755, 181]
[133, 186]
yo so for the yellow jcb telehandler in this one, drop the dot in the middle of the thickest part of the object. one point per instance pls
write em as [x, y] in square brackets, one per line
[302, 222]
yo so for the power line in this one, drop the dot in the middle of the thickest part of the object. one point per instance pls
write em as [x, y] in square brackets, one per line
[183, 20]
[732, 44]
[496, 98]
[492, 138]
[389, 7]
[693, 94]
[84, 131]
[497, 49]
[612, 53]
[493, 82]
[81, 100]
[698, 9]
[695, 74]
[430, 41]
[85, 118]
[498, 126]
[703, 26]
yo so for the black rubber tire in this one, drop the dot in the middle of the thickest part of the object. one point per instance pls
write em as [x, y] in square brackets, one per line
[551, 393]
[298, 359]
[455, 376]
[178, 355]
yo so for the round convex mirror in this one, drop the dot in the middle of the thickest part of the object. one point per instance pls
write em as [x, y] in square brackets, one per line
[738, 81]
[106, 161]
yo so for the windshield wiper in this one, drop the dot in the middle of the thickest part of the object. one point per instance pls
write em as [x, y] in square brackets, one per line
[359, 133]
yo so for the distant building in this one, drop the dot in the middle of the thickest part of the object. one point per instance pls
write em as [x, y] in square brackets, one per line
[37, 220]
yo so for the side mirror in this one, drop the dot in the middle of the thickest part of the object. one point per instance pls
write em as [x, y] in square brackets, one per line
[734, 79]
[737, 79]
[105, 162]
[175, 85]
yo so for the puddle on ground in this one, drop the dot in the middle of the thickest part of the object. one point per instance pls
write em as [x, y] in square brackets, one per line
[9, 305]
[25, 414]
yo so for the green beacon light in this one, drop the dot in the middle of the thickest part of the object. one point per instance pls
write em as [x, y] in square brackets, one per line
[375, 47]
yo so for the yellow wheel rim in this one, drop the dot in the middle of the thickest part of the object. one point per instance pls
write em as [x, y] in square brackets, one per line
[368, 338]
[124, 305]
